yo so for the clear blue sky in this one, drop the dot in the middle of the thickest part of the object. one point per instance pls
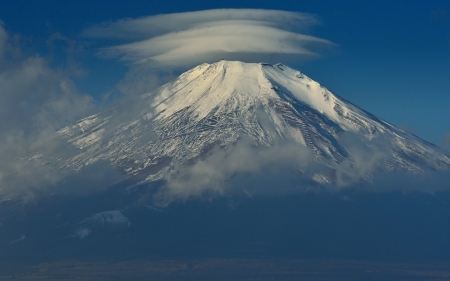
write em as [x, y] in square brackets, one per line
[393, 58]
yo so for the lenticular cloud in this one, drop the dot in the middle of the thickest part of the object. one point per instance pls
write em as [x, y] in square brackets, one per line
[186, 39]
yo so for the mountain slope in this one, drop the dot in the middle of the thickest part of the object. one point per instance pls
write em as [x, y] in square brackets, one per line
[221, 103]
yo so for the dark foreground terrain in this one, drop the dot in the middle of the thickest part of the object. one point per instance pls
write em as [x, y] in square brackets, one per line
[345, 236]
[229, 269]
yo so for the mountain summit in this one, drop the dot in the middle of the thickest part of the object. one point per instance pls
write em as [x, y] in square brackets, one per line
[216, 105]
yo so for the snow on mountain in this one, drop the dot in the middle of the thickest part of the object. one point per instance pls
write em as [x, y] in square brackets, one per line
[101, 221]
[218, 104]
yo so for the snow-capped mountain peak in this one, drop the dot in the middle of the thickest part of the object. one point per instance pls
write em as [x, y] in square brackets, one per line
[218, 104]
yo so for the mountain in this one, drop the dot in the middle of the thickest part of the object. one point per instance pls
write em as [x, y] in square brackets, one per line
[216, 105]
[250, 125]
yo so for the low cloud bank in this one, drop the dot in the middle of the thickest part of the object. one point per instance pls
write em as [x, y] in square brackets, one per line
[290, 168]
[183, 40]
[232, 170]
[36, 100]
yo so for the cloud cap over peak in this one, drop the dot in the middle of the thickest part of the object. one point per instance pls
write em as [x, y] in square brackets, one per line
[183, 40]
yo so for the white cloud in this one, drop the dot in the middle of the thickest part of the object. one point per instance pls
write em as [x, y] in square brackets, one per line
[291, 168]
[35, 101]
[187, 39]
[239, 168]
[166, 23]
[366, 158]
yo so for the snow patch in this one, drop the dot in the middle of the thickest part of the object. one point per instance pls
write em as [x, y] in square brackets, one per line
[108, 220]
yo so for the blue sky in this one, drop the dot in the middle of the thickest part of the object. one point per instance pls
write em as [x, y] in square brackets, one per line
[392, 58]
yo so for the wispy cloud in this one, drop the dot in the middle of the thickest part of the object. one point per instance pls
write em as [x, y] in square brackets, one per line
[187, 39]
[35, 101]
[365, 159]
[289, 168]
[241, 168]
